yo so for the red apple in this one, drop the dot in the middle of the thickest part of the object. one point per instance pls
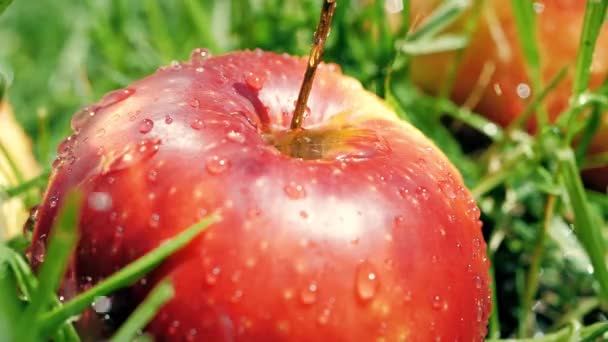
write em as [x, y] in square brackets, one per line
[503, 94]
[355, 228]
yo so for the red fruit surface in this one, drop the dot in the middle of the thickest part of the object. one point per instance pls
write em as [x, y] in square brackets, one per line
[355, 229]
[496, 47]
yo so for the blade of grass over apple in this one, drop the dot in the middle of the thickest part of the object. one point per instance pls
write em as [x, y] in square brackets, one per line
[525, 23]
[4, 4]
[470, 26]
[592, 24]
[443, 16]
[2, 85]
[37, 182]
[62, 241]
[586, 226]
[124, 277]
[443, 43]
[27, 284]
[159, 295]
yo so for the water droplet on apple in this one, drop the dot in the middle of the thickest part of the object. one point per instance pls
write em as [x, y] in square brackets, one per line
[235, 137]
[523, 90]
[308, 295]
[211, 276]
[216, 165]
[100, 201]
[399, 221]
[447, 188]
[324, 317]
[194, 103]
[197, 124]
[100, 132]
[168, 120]
[154, 221]
[422, 192]
[478, 282]
[39, 249]
[366, 282]
[57, 163]
[53, 200]
[146, 126]
[134, 154]
[199, 55]
[80, 119]
[294, 190]
[102, 305]
[254, 81]
[116, 96]
[236, 296]
[437, 302]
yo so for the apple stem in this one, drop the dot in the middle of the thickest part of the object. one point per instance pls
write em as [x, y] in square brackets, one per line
[315, 57]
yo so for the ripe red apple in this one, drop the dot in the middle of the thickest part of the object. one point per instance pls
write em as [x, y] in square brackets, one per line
[501, 94]
[355, 228]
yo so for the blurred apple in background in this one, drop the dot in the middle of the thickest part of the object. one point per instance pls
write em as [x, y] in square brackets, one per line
[492, 78]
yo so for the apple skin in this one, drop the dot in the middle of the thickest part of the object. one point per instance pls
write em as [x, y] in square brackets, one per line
[376, 238]
[559, 26]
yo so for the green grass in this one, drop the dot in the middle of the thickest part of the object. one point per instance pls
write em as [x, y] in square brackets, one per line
[546, 232]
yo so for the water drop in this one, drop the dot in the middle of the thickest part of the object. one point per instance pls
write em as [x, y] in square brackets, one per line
[254, 81]
[194, 103]
[309, 294]
[523, 90]
[100, 132]
[102, 305]
[294, 191]
[422, 192]
[197, 124]
[403, 192]
[478, 282]
[236, 296]
[146, 126]
[199, 55]
[216, 165]
[116, 96]
[53, 200]
[436, 302]
[100, 201]
[154, 221]
[82, 117]
[539, 7]
[323, 318]
[57, 163]
[366, 282]
[211, 277]
[236, 137]
[447, 188]
[134, 154]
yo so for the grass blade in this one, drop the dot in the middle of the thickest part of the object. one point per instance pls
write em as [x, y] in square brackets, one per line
[444, 43]
[586, 228]
[160, 295]
[3, 5]
[62, 241]
[36, 182]
[125, 277]
[446, 14]
[594, 19]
